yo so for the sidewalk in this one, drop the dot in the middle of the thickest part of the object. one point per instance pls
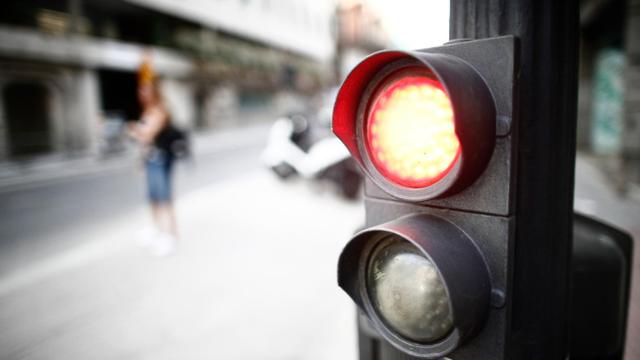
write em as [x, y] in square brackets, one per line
[56, 168]
[248, 282]
[254, 277]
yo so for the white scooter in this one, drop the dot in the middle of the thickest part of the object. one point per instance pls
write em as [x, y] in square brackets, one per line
[295, 147]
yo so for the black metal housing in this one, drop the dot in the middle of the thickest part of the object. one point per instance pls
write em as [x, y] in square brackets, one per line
[520, 216]
[458, 261]
[600, 278]
[484, 210]
[492, 192]
[545, 125]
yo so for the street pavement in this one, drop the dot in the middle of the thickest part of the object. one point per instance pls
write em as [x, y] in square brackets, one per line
[253, 278]
[41, 203]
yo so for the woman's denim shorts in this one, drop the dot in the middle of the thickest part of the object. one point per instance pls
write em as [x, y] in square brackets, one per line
[158, 168]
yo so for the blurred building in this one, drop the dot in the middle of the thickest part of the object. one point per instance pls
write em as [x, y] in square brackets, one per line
[609, 86]
[360, 32]
[631, 134]
[67, 68]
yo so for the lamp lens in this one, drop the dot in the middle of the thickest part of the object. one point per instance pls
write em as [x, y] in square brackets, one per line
[410, 132]
[408, 292]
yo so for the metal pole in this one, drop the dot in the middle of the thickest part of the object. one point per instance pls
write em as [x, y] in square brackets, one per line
[548, 33]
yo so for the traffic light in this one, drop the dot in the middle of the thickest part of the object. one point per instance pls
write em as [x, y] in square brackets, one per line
[433, 132]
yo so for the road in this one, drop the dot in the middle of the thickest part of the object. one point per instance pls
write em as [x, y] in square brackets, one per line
[34, 219]
[254, 277]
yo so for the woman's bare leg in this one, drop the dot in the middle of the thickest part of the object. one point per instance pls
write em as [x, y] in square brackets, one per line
[170, 219]
[156, 216]
[165, 242]
[164, 218]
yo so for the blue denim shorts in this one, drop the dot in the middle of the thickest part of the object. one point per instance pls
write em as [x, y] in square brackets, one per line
[158, 168]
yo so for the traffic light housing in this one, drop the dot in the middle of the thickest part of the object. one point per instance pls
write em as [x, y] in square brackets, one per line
[433, 132]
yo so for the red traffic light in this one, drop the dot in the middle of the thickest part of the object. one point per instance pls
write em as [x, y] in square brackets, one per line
[421, 125]
[410, 130]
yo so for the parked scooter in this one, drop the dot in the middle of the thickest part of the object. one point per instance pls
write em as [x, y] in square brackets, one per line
[299, 146]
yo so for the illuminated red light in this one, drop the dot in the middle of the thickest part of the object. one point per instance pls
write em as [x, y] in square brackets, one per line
[410, 132]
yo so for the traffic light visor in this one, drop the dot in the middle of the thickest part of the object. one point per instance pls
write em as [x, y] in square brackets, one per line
[421, 125]
[420, 280]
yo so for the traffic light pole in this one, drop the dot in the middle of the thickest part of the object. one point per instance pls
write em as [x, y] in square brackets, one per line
[546, 123]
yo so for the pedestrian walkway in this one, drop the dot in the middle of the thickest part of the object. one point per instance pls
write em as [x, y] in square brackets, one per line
[254, 278]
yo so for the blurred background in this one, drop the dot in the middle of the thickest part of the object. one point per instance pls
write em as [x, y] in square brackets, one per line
[267, 198]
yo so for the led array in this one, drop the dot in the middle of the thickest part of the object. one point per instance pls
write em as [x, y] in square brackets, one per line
[411, 132]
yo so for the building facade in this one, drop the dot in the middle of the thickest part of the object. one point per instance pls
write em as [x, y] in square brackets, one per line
[68, 68]
[609, 88]
[360, 33]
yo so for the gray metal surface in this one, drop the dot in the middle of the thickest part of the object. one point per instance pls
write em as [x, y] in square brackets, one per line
[490, 340]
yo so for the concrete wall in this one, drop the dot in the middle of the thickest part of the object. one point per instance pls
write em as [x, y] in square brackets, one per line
[66, 66]
[84, 112]
[72, 104]
[3, 125]
[179, 96]
[301, 26]
[55, 82]
[88, 52]
[220, 106]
